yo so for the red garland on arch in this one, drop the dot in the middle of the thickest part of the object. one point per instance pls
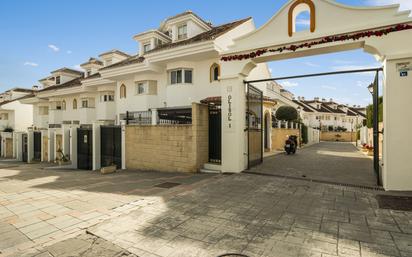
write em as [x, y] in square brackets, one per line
[329, 39]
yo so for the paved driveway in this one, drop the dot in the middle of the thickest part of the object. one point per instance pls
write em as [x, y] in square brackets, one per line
[263, 216]
[327, 161]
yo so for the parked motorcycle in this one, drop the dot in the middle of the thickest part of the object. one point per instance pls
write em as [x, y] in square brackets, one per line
[291, 144]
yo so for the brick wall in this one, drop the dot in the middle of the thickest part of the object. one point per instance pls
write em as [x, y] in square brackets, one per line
[173, 148]
[338, 136]
[279, 136]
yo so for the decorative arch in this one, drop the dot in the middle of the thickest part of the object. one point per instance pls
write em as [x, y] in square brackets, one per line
[214, 72]
[64, 105]
[291, 16]
[74, 104]
[122, 91]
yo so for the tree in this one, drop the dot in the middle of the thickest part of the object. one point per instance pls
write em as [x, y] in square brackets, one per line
[287, 113]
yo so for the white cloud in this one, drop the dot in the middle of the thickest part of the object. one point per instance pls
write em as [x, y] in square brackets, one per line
[311, 64]
[329, 87]
[33, 64]
[54, 48]
[288, 84]
[69, 52]
[404, 4]
[303, 22]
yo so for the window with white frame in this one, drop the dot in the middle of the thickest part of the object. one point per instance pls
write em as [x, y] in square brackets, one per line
[182, 32]
[141, 88]
[146, 48]
[181, 76]
[85, 103]
[109, 97]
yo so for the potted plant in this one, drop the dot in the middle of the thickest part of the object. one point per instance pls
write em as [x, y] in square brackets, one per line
[62, 159]
[370, 150]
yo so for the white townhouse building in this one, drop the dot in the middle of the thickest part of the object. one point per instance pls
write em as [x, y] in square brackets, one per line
[15, 117]
[329, 115]
[176, 65]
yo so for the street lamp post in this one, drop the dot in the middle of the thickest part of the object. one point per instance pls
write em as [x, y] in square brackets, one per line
[374, 90]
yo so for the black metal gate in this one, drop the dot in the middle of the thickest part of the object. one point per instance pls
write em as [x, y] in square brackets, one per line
[37, 146]
[215, 134]
[24, 148]
[84, 149]
[254, 115]
[111, 146]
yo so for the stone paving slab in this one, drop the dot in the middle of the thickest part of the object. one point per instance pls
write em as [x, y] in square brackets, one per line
[260, 216]
[39, 208]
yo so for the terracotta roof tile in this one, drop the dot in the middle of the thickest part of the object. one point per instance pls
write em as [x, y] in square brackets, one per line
[72, 83]
[205, 36]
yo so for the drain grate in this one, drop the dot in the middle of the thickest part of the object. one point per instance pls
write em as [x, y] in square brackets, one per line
[233, 255]
[392, 202]
[167, 185]
[375, 188]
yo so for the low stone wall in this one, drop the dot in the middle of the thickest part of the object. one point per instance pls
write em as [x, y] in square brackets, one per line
[338, 136]
[170, 148]
[279, 136]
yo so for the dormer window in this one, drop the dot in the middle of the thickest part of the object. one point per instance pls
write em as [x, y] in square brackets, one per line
[58, 80]
[89, 72]
[182, 32]
[146, 48]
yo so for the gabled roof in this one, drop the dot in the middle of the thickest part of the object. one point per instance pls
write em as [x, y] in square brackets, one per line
[93, 76]
[115, 51]
[17, 99]
[187, 13]
[131, 60]
[72, 83]
[92, 61]
[305, 107]
[20, 90]
[205, 36]
[355, 110]
[68, 70]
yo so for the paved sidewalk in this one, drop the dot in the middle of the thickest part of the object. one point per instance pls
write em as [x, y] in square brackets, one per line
[41, 207]
[263, 216]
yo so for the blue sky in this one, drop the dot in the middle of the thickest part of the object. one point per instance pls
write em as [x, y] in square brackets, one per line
[37, 37]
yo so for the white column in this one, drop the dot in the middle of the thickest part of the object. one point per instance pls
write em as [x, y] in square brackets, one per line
[73, 146]
[66, 140]
[154, 116]
[397, 169]
[123, 129]
[96, 145]
[234, 154]
[30, 146]
[50, 134]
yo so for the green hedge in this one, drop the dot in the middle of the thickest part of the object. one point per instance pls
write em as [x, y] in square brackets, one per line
[304, 134]
[369, 113]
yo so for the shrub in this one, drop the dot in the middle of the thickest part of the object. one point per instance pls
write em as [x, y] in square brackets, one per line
[287, 113]
[304, 134]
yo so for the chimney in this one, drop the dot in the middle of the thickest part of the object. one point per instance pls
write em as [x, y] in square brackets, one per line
[303, 98]
[35, 87]
[316, 98]
[323, 100]
[331, 100]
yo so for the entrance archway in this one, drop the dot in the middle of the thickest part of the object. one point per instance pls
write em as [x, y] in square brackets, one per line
[381, 31]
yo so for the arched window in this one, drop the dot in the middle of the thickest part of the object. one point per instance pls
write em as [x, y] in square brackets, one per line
[122, 91]
[301, 13]
[64, 105]
[214, 72]
[74, 104]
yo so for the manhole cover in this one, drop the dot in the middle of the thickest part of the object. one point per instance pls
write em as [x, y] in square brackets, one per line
[398, 203]
[167, 185]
